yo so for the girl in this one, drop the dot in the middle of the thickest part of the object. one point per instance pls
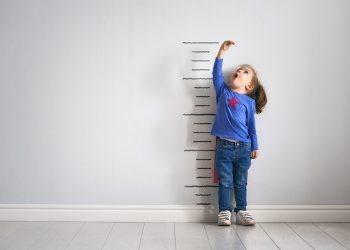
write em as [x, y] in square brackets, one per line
[236, 139]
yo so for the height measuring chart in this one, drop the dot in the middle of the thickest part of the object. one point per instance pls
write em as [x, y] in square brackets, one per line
[201, 117]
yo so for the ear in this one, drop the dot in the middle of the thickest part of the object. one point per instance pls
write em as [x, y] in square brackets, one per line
[250, 87]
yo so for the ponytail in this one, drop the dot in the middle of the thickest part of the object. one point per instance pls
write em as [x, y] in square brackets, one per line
[259, 95]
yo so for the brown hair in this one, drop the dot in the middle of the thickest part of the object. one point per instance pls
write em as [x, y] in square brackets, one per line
[258, 93]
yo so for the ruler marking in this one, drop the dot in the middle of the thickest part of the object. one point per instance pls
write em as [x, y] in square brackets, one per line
[200, 42]
[197, 78]
[200, 60]
[205, 52]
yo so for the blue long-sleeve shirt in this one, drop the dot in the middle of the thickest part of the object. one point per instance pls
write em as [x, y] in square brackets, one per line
[235, 112]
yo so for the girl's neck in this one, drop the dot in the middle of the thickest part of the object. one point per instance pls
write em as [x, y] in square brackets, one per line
[239, 90]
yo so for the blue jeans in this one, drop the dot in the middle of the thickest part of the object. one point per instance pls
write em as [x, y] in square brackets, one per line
[232, 161]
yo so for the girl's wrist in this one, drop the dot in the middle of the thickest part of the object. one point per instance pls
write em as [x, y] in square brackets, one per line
[220, 53]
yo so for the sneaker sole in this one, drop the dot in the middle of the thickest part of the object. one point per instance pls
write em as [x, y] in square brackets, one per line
[224, 224]
[247, 224]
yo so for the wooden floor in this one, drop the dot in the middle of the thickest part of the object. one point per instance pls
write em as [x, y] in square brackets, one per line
[30, 235]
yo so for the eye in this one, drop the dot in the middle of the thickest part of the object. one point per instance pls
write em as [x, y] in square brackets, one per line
[245, 71]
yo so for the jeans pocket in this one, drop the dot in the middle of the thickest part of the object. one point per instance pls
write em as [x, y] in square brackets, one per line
[224, 148]
[248, 147]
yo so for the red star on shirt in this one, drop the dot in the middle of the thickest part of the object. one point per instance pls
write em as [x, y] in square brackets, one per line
[233, 102]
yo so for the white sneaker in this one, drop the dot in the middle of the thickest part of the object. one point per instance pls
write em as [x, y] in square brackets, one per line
[244, 218]
[224, 218]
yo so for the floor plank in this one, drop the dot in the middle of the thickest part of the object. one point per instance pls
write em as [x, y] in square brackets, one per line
[346, 224]
[254, 237]
[338, 231]
[124, 236]
[7, 227]
[191, 236]
[58, 236]
[92, 235]
[317, 238]
[42, 235]
[223, 237]
[158, 235]
[284, 236]
[25, 235]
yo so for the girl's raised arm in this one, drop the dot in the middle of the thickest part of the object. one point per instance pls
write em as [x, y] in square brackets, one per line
[218, 76]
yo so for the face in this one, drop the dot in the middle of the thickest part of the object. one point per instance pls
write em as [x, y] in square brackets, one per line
[241, 78]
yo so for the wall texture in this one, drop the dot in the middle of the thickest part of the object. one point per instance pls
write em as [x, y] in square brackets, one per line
[94, 97]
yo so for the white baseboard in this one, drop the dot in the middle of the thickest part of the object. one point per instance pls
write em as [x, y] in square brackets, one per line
[169, 213]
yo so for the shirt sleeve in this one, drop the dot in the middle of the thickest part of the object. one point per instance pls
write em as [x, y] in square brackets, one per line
[251, 126]
[218, 76]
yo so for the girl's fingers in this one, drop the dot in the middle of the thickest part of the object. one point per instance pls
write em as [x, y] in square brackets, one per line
[227, 44]
[230, 42]
[253, 155]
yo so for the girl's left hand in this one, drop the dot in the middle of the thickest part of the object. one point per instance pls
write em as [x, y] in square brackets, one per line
[255, 154]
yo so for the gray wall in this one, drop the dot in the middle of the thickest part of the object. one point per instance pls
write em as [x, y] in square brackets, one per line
[92, 99]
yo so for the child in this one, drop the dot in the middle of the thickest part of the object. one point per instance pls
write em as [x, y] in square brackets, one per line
[236, 139]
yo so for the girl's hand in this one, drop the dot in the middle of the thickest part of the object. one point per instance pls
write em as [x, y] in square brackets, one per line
[255, 154]
[226, 45]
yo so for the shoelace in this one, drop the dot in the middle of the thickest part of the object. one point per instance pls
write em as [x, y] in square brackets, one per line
[224, 215]
[246, 216]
